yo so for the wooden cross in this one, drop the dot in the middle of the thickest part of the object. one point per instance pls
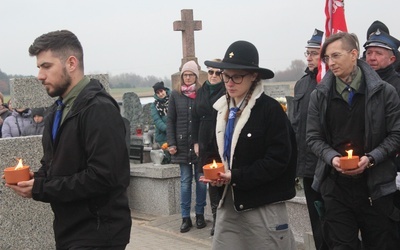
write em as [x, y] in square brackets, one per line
[187, 26]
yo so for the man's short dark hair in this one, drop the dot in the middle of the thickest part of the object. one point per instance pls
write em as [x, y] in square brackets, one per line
[350, 42]
[63, 43]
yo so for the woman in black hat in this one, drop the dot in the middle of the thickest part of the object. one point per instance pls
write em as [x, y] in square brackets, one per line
[159, 110]
[258, 148]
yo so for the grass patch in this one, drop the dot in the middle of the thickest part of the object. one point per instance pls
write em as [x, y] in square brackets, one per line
[141, 92]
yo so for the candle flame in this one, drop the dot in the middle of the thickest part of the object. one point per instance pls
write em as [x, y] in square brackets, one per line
[19, 166]
[349, 153]
[214, 164]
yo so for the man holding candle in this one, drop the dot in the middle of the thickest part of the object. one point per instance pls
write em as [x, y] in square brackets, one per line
[85, 166]
[352, 108]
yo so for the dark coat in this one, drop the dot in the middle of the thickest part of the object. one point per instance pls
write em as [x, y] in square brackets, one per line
[179, 128]
[204, 121]
[85, 172]
[389, 75]
[306, 159]
[382, 131]
[263, 155]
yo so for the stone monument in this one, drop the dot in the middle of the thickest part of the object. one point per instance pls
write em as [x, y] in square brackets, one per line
[188, 26]
[132, 111]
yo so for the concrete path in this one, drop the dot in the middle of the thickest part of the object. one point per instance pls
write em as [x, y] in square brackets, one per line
[162, 233]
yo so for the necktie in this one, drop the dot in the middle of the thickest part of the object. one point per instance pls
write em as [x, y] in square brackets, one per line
[57, 118]
[228, 134]
[351, 94]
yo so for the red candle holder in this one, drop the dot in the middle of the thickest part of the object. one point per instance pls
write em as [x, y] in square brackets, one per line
[13, 176]
[211, 172]
[347, 163]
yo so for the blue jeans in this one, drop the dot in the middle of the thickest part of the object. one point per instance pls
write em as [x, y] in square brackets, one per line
[186, 190]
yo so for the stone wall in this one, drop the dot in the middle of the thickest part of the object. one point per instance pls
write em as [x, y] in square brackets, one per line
[24, 223]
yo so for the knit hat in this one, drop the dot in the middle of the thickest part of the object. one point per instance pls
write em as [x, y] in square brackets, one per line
[158, 85]
[375, 26]
[37, 111]
[316, 39]
[192, 67]
[383, 40]
[241, 55]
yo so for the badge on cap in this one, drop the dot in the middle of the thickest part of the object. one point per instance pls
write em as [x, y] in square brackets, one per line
[231, 55]
[382, 39]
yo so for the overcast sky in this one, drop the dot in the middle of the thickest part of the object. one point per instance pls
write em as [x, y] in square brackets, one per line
[130, 36]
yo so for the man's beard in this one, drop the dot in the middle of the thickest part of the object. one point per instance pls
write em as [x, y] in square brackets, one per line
[60, 89]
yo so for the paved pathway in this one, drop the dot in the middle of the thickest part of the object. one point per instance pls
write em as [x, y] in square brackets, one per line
[163, 233]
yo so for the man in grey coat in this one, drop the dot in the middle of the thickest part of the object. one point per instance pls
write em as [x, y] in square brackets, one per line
[353, 109]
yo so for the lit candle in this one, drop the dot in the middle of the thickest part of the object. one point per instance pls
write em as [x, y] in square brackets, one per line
[13, 175]
[211, 170]
[350, 161]
[19, 165]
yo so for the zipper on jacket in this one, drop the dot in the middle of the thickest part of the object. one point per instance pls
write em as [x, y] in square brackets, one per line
[98, 220]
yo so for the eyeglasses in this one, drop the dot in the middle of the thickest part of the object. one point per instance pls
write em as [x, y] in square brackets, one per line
[311, 53]
[238, 79]
[216, 72]
[188, 75]
[333, 57]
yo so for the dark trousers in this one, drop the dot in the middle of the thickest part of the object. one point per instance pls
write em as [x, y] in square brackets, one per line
[348, 211]
[311, 197]
[214, 198]
[396, 198]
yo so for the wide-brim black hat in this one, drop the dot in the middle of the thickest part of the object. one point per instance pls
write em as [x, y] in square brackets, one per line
[241, 55]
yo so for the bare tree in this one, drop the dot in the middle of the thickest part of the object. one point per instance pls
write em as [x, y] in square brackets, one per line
[293, 73]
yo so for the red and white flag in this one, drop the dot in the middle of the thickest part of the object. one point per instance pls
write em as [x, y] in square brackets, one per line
[335, 23]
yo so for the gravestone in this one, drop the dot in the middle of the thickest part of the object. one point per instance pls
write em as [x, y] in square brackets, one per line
[155, 189]
[146, 118]
[187, 26]
[277, 90]
[140, 118]
[132, 112]
[25, 223]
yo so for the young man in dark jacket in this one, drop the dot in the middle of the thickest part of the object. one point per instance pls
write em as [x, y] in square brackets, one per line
[85, 167]
[353, 109]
